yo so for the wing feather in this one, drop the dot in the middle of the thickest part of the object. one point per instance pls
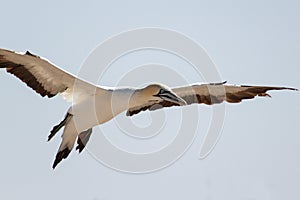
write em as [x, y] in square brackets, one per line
[41, 75]
[210, 94]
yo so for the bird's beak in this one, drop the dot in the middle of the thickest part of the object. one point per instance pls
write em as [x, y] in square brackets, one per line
[171, 97]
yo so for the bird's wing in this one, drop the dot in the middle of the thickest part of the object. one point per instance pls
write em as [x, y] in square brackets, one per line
[42, 76]
[209, 94]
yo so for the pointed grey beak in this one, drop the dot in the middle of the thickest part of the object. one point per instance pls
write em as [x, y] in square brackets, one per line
[171, 97]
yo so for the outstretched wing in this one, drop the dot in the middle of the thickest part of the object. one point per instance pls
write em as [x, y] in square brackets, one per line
[42, 76]
[209, 94]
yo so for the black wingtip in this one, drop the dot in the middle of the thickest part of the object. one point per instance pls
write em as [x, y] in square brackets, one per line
[61, 155]
[295, 89]
[285, 88]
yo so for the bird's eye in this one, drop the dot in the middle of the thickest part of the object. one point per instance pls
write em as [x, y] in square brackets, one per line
[161, 91]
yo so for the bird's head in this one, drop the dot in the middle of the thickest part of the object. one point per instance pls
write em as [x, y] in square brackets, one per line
[159, 92]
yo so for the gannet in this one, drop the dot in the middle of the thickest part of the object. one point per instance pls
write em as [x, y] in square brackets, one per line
[93, 105]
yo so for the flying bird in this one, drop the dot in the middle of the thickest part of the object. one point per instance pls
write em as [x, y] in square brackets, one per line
[93, 105]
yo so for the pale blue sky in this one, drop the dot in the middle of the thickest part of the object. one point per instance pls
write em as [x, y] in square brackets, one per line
[251, 42]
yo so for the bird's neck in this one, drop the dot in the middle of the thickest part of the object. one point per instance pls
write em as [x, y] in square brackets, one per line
[123, 99]
[109, 103]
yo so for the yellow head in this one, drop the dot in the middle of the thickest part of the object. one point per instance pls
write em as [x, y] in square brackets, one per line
[158, 92]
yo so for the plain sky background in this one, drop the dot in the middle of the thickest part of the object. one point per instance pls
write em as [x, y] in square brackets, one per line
[251, 42]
